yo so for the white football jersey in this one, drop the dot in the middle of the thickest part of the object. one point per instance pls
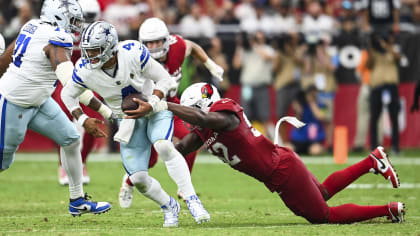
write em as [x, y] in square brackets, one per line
[136, 71]
[30, 78]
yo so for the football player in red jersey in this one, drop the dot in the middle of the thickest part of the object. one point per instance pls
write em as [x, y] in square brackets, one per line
[223, 127]
[91, 13]
[170, 51]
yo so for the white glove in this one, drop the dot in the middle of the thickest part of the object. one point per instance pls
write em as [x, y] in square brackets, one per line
[157, 104]
[215, 70]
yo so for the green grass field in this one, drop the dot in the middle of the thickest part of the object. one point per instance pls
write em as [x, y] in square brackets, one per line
[33, 202]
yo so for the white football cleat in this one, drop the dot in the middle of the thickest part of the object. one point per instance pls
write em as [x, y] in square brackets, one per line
[63, 179]
[126, 193]
[171, 211]
[197, 209]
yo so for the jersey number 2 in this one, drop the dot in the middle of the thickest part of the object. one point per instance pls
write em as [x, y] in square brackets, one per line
[21, 43]
[221, 151]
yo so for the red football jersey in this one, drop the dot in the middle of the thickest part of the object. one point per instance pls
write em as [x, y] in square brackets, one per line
[174, 60]
[175, 56]
[244, 148]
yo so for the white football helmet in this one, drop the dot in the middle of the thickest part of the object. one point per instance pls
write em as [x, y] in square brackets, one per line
[200, 95]
[154, 29]
[99, 35]
[2, 44]
[66, 14]
[91, 10]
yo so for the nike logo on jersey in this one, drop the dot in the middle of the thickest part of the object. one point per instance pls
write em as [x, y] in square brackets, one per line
[379, 160]
[62, 39]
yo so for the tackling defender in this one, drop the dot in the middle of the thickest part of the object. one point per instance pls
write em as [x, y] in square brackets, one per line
[170, 51]
[37, 59]
[227, 133]
[114, 71]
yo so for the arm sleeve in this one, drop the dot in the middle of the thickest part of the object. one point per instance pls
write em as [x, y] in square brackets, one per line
[71, 92]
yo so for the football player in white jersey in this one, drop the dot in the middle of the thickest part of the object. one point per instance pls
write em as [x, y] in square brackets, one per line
[114, 71]
[36, 60]
[91, 13]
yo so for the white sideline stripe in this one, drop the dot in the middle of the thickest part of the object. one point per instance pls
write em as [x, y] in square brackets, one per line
[202, 159]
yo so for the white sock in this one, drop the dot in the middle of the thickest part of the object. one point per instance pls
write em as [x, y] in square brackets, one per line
[156, 193]
[180, 174]
[71, 160]
[176, 165]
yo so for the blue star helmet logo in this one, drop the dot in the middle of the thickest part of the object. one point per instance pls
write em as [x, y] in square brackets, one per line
[65, 3]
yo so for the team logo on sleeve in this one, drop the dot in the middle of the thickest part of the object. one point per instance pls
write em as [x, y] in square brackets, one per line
[206, 91]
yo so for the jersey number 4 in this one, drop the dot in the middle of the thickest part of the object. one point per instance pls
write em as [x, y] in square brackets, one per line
[21, 44]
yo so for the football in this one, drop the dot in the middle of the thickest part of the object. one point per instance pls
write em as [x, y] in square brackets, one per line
[129, 104]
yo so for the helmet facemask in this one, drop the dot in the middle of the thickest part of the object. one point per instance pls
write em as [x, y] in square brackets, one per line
[158, 52]
[102, 38]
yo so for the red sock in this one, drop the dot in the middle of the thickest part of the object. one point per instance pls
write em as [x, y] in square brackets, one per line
[349, 213]
[190, 159]
[338, 180]
[88, 143]
[153, 158]
[128, 181]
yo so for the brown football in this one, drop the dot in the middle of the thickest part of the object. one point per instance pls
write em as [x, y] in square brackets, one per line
[128, 103]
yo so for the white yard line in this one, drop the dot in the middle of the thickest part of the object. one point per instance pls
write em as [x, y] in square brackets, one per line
[202, 158]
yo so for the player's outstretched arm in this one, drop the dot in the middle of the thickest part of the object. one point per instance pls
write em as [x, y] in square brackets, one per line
[6, 58]
[190, 143]
[197, 52]
[213, 120]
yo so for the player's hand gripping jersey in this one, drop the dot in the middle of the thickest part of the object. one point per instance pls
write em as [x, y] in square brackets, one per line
[136, 72]
[244, 148]
[30, 78]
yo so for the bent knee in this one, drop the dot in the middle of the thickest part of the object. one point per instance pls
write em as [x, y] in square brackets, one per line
[73, 140]
[164, 149]
[319, 217]
[141, 180]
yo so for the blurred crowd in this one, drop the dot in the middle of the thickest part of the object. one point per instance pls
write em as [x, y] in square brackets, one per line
[300, 48]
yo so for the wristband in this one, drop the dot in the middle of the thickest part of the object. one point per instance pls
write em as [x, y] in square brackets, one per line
[82, 119]
[105, 111]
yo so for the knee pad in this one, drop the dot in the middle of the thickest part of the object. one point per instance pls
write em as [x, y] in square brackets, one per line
[72, 143]
[141, 180]
[164, 149]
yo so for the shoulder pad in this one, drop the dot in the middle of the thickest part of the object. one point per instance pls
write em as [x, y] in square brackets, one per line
[226, 104]
[60, 38]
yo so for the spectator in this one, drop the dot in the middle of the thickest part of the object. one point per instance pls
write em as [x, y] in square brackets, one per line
[383, 59]
[284, 22]
[287, 70]
[315, 22]
[309, 138]
[195, 25]
[381, 15]
[124, 15]
[256, 75]
[24, 14]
